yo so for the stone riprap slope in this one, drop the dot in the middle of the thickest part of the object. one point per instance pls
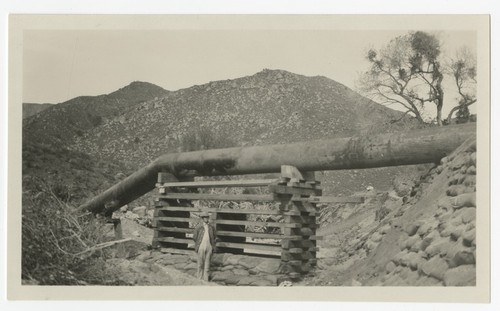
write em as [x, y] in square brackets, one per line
[226, 269]
[426, 238]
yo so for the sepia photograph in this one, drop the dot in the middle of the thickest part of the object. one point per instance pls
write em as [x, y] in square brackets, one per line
[324, 154]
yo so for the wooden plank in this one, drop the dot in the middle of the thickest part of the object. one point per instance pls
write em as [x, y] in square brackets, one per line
[218, 197]
[250, 246]
[251, 234]
[292, 190]
[220, 183]
[330, 199]
[175, 240]
[257, 223]
[228, 210]
[177, 251]
[175, 229]
[258, 235]
[177, 219]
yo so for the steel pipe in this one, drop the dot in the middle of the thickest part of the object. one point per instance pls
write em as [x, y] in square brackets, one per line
[368, 151]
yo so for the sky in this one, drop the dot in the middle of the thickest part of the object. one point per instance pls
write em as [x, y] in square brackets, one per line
[62, 64]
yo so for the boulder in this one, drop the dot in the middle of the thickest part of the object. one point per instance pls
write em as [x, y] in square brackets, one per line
[461, 276]
[411, 228]
[463, 257]
[248, 262]
[468, 237]
[241, 272]
[390, 266]
[140, 211]
[468, 214]
[221, 276]
[269, 266]
[435, 267]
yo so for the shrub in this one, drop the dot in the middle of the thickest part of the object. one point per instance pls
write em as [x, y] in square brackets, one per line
[56, 243]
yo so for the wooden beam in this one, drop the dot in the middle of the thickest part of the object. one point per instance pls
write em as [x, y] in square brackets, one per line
[177, 251]
[250, 246]
[219, 184]
[175, 240]
[218, 197]
[174, 229]
[177, 219]
[280, 189]
[258, 235]
[330, 199]
[257, 223]
[229, 210]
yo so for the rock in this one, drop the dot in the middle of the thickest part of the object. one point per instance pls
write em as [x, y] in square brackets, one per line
[435, 267]
[140, 211]
[233, 259]
[191, 265]
[411, 228]
[272, 278]
[232, 279]
[221, 276]
[241, 272]
[415, 261]
[471, 170]
[130, 215]
[124, 208]
[245, 281]
[457, 232]
[399, 257]
[455, 190]
[269, 266]
[425, 243]
[464, 257]
[427, 227]
[217, 259]
[427, 281]
[414, 243]
[249, 262]
[468, 237]
[439, 247]
[464, 200]
[136, 233]
[384, 229]
[461, 276]
[376, 237]
[468, 214]
[225, 268]
[390, 266]
[470, 181]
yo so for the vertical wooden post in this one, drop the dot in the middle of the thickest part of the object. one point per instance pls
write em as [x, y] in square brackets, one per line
[299, 255]
[159, 212]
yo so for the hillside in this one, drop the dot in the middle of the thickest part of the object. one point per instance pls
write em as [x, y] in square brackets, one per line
[63, 122]
[30, 109]
[272, 106]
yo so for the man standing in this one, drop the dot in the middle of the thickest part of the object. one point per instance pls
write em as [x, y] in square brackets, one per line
[204, 245]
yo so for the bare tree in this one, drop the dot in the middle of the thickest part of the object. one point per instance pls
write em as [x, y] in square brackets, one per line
[463, 68]
[406, 72]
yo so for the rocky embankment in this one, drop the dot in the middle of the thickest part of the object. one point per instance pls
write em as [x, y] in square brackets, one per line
[426, 238]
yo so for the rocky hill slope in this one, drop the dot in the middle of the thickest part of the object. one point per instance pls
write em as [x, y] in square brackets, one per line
[32, 109]
[61, 123]
[272, 106]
